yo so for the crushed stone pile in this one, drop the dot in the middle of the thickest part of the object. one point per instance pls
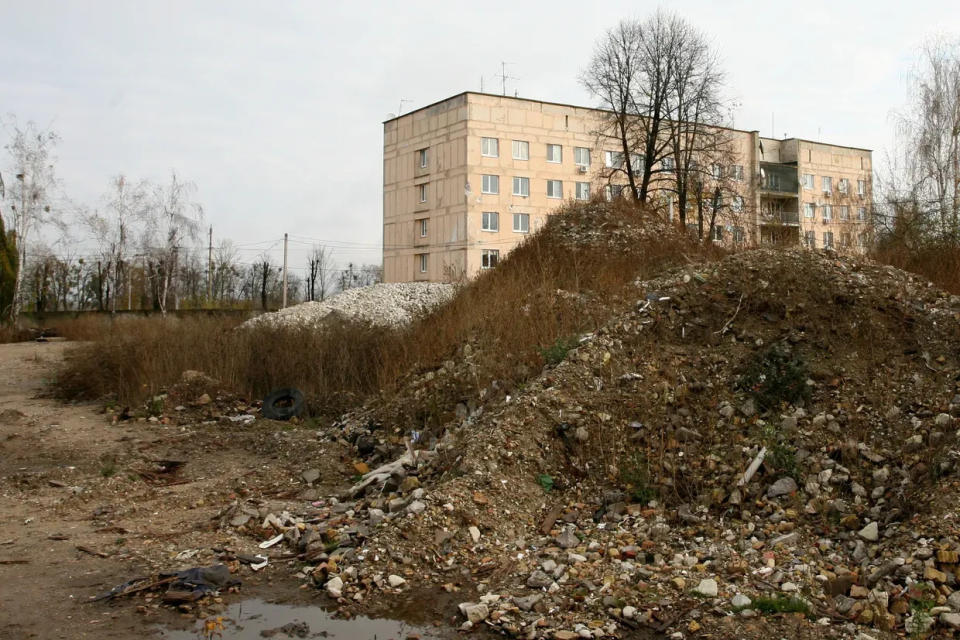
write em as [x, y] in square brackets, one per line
[388, 305]
[767, 444]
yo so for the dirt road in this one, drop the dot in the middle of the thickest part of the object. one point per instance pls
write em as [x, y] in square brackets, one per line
[81, 510]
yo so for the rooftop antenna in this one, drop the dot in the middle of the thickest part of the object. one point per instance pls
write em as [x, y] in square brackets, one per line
[504, 77]
[402, 100]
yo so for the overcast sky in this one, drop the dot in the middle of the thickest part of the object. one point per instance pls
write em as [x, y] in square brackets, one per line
[274, 109]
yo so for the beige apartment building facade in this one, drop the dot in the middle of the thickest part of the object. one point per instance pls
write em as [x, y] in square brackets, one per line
[468, 178]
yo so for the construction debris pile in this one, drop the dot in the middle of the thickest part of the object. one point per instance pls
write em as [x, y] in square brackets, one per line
[766, 444]
[388, 305]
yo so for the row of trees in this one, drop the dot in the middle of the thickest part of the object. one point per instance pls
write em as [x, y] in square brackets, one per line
[141, 248]
[660, 84]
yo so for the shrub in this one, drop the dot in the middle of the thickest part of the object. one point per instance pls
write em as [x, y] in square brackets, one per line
[555, 353]
[776, 375]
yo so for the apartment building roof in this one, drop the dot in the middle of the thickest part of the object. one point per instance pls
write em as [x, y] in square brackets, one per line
[574, 106]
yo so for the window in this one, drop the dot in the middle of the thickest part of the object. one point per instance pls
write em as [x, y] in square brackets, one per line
[422, 158]
[613, 159]
[844, 212]
[772, 181]
[717, 233]
[554, 188]
[583, 191]
[521, 186]
[736, 172]
[490, 147]
[716, 170]
[422, 260]
[613, 191]
[521, 150]
[491, 221]
[491, 184]
[521, 223]
[844, 239]
[737, 204]
[827, 213]
[581, 156]
[810, 239]
[861, 187]
[423, 227]
[809, 210]
[827, 183]
[489, 258]
[668, 164]
[738, 235]
[636, 163]
[861, 213]
[807, 181]
[828, 239]
[862, 239]
[843, 186]
[422, 191]
[554, 153]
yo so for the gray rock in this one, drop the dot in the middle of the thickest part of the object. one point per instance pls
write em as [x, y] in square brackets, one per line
[942, 419]
[748, 408]
[395, 505]
[539, 580]
[727, 411]
[310, 475]
[568, 539]
[951, 620]
[782, 487]
[526, 603]
[628, 612]
[474, 612]
[376, 516]
[954, 601]
[741, 601]
[786, 539]
[474, 534]
[708, 588]
[843, 604]
[334, 587]
[870, 533]
[416, 507]
[395, 581]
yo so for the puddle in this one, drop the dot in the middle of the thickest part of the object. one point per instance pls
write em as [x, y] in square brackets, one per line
[255, 619]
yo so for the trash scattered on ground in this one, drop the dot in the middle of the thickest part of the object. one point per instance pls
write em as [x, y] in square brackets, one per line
[188, 585]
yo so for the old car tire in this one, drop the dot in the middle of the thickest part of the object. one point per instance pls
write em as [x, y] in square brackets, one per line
[283, 404]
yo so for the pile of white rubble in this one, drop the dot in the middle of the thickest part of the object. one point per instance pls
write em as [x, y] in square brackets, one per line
[387, 305]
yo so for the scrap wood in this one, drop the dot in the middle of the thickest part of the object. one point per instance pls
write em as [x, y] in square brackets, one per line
[14, 561]
[93, 552]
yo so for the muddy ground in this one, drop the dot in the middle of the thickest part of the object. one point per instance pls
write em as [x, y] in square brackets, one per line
[83, 507]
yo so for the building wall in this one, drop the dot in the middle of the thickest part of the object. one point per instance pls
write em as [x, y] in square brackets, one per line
[452, 132]
[823, 160]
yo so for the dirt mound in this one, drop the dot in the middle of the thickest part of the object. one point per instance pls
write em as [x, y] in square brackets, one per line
[607, 494]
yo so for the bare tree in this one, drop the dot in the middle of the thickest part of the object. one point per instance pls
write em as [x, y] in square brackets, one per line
[926, 189]
[172, 221]
[29, 194]
[320, 278]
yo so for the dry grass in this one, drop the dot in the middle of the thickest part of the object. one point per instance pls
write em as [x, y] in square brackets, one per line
[551, 287]
[939, 263]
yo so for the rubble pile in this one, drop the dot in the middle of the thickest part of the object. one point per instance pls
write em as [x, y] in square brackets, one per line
[765, 444]
[388, 305]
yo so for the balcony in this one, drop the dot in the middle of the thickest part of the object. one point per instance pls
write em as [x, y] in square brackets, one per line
[791, 218]
[778, 178]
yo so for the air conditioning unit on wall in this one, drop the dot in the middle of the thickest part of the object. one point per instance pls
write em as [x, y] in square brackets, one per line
[581, 169]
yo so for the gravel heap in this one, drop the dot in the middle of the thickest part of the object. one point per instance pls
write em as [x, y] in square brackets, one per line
[388, 305]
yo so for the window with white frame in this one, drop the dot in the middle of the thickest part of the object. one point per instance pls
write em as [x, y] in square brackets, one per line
[668, 164]
[583, 191]
[717, 233]
[828, 239]
[861, 213]
[521, 150]
[521, 186]
[827, 213]
[736, 205]
[826, 183]
[637, 162]
[736, 172]
[554, 188]
[843, 185]
[490, 184]
[739, 237]
[810, 239]
[422, 158]
[490, 147]
[613, 159]
[807, 181]
[809, 210]
[844, 212]
[489, 258]
[613, 191]
[490, 221]
[422, 262]
[521, 223]
[861, 187]
[716, 170]
[554, 153]
[845, 239]
[581, 156]
[422, 192]
[423, 227]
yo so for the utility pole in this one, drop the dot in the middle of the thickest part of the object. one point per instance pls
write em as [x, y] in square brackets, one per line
[284, 306]
[210, 269]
